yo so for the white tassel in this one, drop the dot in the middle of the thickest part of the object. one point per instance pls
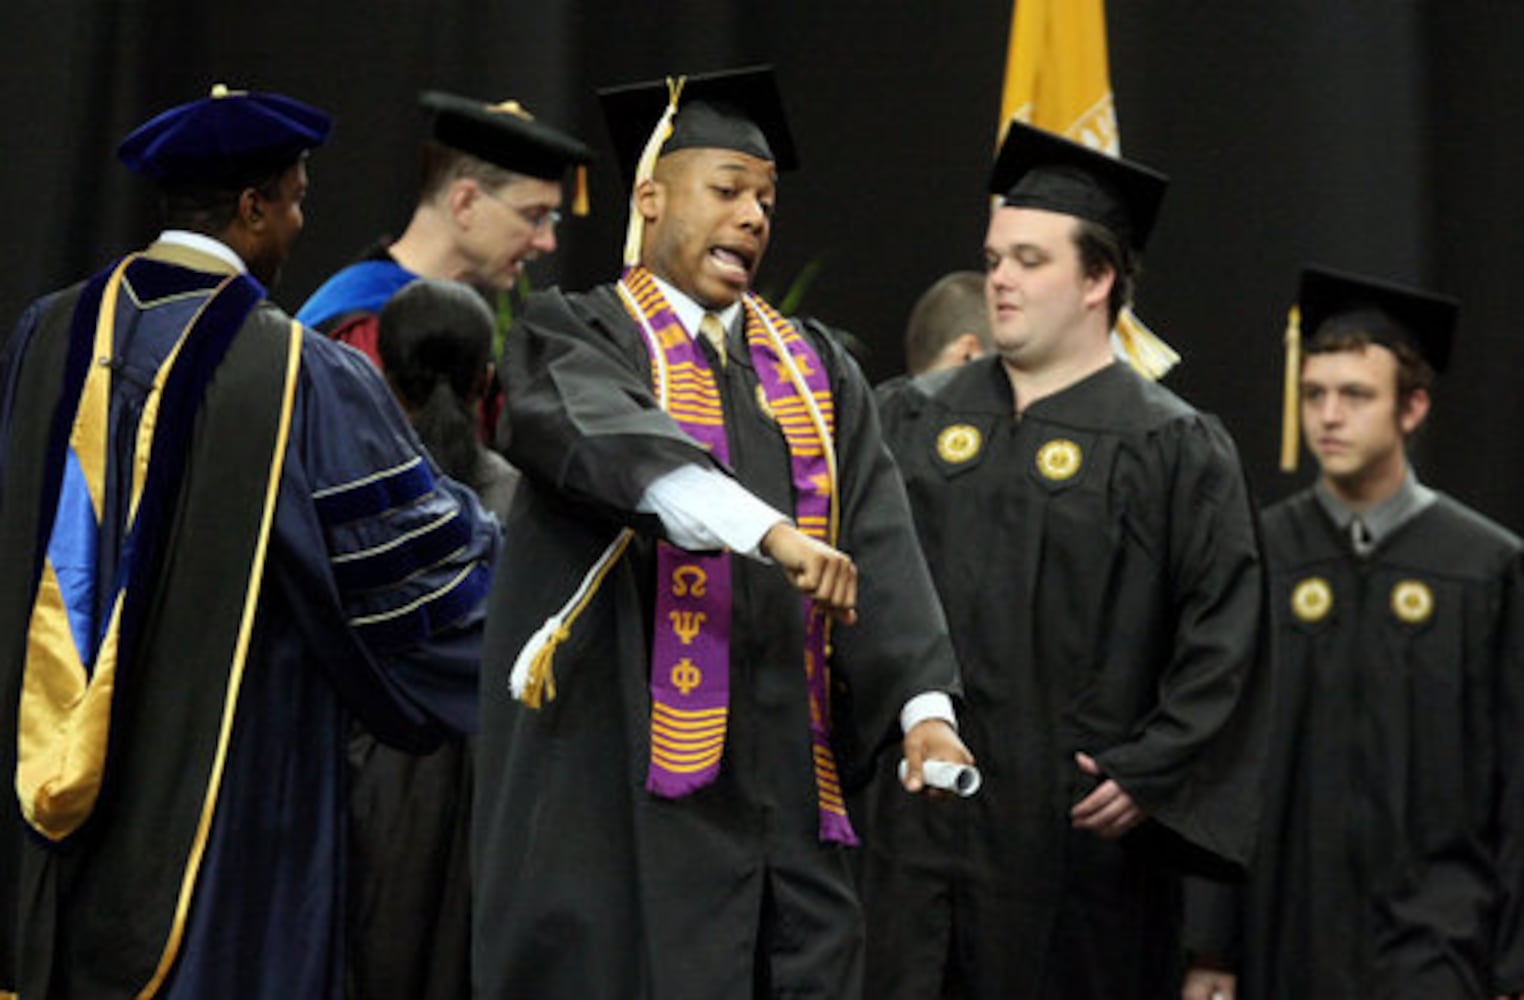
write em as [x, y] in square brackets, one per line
[518, 681]
[1142, 348]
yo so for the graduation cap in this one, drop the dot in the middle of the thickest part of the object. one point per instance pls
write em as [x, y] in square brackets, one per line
[1038, 169]
[736, 109]
[507, 135]
[228, 139]
[1390, 314]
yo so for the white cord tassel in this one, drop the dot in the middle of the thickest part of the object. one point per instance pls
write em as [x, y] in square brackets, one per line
[518, 681]
[1143, 349]
[531, 680]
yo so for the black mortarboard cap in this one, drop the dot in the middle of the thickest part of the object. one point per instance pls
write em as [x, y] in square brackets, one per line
[1388, 313]
[1038, 169]
[230, 138]
[737, 109]
[1330, 301]
[504, 134]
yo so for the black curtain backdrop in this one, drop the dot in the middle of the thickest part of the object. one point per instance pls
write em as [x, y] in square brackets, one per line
[1384, 136]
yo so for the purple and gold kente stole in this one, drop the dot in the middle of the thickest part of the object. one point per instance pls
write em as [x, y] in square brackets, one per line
[690, 662]
[690, 646]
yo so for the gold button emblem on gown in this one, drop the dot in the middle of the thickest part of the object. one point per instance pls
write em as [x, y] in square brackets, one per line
[1412, 601]
[959, 443]
[1312, 599]
[1059, 459]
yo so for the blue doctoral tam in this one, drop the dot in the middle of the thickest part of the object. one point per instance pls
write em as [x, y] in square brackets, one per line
[228, 139]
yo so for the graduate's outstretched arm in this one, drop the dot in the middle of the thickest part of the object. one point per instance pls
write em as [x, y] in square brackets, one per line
[824, 574]
[1195, 762]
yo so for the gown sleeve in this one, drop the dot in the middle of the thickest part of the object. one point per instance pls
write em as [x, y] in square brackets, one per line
[1196, 761]
[387, 559]
[581, 415]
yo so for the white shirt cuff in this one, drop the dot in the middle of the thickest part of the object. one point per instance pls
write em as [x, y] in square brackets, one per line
[703, 509]
[927, 705]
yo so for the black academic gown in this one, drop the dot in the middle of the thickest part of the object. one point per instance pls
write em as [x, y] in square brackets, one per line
[1392, 857]
[1099, 568]
[588, 885]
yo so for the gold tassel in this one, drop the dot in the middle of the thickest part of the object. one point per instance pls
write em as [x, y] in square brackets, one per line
[540, 686]
[635, 232]
[1291, 431]
[579, 199]
[1146, 352]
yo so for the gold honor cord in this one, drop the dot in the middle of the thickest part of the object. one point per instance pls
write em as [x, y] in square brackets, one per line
[532, 680]
[822, 428]
[235, 677]
[835, 824]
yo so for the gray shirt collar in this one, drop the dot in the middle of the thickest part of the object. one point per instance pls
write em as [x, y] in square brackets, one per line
[1382, 520]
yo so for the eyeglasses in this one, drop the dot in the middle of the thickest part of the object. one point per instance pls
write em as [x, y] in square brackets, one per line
[537, 216]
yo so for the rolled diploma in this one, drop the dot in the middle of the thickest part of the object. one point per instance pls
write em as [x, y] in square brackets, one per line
[961, 779]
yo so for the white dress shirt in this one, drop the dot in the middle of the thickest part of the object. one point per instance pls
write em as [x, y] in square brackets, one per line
[204, 244]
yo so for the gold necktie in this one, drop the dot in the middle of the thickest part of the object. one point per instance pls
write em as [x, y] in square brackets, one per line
[714, 332]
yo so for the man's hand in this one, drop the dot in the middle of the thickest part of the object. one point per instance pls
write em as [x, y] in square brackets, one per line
[826, 575]
[1204, 983]
[1108, 811]
[931, 739]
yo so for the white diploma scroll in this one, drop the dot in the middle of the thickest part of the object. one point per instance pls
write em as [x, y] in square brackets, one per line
[960, 779]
